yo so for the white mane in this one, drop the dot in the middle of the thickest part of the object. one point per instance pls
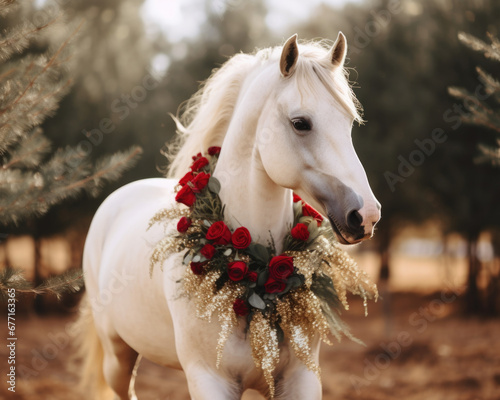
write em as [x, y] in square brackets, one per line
[204, 119]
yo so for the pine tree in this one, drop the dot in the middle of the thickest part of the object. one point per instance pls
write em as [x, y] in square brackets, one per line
[33, 177]
[484, 106]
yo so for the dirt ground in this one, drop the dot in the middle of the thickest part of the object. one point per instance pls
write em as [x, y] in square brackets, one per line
[424, 350]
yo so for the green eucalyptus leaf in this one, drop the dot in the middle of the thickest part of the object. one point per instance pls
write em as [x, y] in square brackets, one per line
[187, 258]
[294, 281]
[297, 210]
[306, 220]
[313, 230]
[214, 185]
[259, 251]
[262, 278]
[256, 301]
[289, 285]
[269, 296]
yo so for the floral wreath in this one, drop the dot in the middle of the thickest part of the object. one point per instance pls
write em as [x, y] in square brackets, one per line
[290, 296]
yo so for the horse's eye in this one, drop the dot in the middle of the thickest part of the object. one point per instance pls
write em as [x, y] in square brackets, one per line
[301, 124]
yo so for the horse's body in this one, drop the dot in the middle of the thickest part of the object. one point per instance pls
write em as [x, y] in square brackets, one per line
[294, 138]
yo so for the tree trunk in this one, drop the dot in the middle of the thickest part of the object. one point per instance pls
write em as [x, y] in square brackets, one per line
[493, 290]
[8, 263]
[38, 302]
[472, 296]
[383, 248]
[383, 283]
[384, 273]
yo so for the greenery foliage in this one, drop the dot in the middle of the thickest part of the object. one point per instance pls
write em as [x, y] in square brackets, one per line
[483, 110]
[33, 176]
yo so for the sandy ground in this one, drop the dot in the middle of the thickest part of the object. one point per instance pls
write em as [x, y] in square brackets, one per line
[424, 350]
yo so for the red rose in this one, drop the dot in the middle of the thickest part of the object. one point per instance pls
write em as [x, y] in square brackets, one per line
[296, 198]
[219, 233]
[183, 224]
[197, 267]
[214, 150]
[274, 286]
[200, 181]
[308, 211]
[240, 307]
[199, 164]
[281, 267]
[208, 251]
[241, 238]
[237, 270]
[300, 232]
[186, 196]
[252, 276]
[186, 178]
[196, 156]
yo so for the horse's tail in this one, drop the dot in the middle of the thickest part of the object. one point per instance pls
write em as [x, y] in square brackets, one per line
[90, 354]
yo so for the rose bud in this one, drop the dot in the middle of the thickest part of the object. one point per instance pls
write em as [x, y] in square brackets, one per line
[240, 307]
[241, 238]
[183, 224]
[300, 232]
[308, 211]
[219, 233]
[214, 150]
[200, 181]
[274, 286]
[197, 267]
[186, 178]
[208, 251]
[186, 196]
[252, 276]
[237, 270]
[281, 267]
[199, 164]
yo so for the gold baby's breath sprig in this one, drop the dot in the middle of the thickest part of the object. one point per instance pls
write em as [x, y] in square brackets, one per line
[209, 301]
[265, 350]
[346, 275]
[168, 215]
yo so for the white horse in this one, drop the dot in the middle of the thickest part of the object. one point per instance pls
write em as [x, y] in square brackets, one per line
[283, 117]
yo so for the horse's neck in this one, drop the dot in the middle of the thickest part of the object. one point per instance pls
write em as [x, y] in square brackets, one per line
[250, 197]
[252, 200]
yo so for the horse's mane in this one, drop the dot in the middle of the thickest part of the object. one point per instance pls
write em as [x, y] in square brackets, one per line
[203, 120]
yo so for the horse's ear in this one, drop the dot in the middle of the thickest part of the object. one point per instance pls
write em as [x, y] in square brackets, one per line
[338, 51]
[289, 56]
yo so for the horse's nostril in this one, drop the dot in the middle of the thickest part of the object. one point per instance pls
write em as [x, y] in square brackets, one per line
[354, 219]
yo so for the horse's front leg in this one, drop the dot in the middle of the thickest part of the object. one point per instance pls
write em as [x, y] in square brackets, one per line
[195, 343]
[296, 381]
[206, 384]
[299, 384]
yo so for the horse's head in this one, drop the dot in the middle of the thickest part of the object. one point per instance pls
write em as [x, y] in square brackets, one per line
[304, 138]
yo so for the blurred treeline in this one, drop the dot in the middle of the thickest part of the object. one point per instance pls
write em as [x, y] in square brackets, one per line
[421, 159]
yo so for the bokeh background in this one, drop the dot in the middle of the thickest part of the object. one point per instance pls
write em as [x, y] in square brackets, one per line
[426, 73]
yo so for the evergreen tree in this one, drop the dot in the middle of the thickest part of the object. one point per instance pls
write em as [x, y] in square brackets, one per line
[33, 177]
[483, 110]
[484, 106]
